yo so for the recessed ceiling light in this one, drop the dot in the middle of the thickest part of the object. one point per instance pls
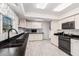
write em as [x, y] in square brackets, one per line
[62, 7]
[41, 5]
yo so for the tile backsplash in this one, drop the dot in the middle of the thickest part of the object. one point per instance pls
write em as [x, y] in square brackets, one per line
[70, 31]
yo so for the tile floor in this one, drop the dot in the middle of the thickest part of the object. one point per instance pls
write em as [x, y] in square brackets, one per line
[43, 48]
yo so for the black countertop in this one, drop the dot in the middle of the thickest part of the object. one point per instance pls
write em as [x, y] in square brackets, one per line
[16, 46]
[7, 41]
[69, 35]
[37, 33]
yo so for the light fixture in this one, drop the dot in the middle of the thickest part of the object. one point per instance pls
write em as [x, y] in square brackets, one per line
[41, 5]
[62, 7]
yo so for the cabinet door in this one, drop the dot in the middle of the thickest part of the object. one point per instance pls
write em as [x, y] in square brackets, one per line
[77, 21]
[75, 47]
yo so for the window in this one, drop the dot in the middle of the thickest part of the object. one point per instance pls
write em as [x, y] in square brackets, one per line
[6, 23]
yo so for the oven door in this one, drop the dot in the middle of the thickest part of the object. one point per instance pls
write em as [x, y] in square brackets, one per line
[64, 44]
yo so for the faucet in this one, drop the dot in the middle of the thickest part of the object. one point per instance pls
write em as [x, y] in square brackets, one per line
[9, 34]
[11, 30]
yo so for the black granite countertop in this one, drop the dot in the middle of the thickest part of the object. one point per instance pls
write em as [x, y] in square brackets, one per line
[69, 35]
[37, 33]
[11, 39]
[16, 46]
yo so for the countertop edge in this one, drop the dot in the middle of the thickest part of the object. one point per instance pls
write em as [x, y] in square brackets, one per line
[69, 35]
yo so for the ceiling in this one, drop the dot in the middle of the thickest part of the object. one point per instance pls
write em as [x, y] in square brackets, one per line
[30, 7]
[23, 9]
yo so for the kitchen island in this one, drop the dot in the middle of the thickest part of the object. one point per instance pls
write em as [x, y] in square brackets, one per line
[15, 46]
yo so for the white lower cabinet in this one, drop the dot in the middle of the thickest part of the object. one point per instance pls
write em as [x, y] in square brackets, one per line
[75, 47]
[54, 40]
[35, 37]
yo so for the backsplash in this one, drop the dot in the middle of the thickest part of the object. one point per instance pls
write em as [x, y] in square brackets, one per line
[70, 31]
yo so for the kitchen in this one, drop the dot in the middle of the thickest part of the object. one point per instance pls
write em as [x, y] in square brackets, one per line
[35, 25]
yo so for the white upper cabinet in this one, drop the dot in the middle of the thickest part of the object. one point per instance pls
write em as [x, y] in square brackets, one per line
[67, 20]
[77, 21]
[33, 25]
